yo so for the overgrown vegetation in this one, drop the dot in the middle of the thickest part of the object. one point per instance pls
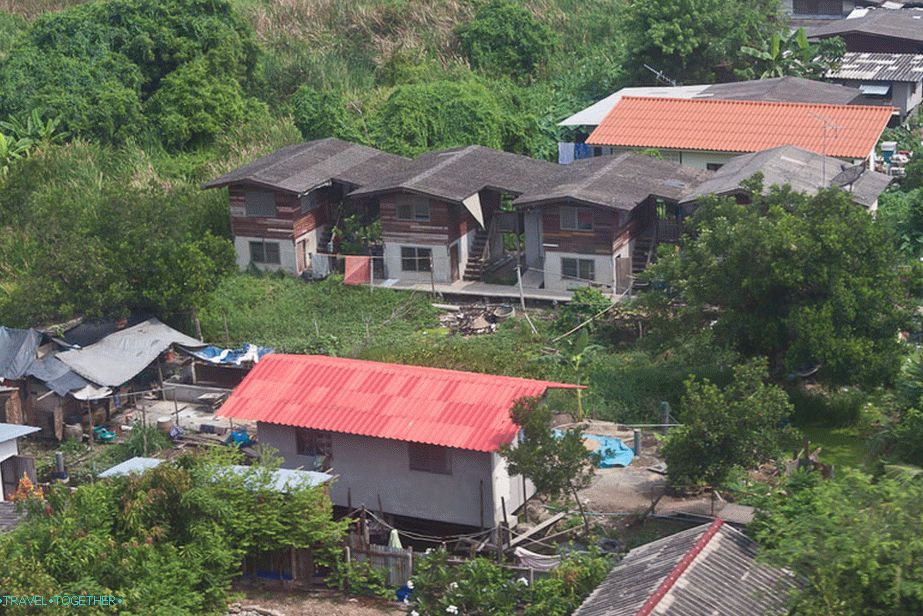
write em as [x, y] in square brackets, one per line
[168, 541]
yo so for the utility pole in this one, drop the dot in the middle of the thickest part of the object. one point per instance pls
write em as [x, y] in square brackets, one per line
[827, 125]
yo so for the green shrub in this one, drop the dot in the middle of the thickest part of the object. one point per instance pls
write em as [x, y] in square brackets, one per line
[422, 117]
[505, 38]
[837, 408]
[322, 113]
[360, 577]
[193, 105]
[586, 303]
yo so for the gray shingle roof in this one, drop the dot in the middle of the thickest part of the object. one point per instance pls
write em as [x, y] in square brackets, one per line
[803, 170]
[783, 90]
[904, 24]
[301, 167]
[622, 182]
[710, 570]
[456, 174]
[906, 67]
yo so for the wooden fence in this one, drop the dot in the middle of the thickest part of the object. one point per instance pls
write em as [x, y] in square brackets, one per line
[398, 562]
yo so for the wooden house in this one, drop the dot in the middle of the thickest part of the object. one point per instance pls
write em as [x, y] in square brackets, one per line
[877, 31]
[600, 225]
[284, 205]
[442, 216]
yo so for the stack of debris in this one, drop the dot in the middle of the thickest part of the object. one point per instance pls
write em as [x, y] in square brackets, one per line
[473, 319]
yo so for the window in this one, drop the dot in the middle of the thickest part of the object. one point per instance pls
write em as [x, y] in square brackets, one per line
[314, 444]
[415, 259]
[713, 166]
[265, 252]
[576, 219]
[260, 203]
[584, 269]
[430, 458]
[413, 211]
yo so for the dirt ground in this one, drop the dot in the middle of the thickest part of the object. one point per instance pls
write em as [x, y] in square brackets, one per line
[302, 604]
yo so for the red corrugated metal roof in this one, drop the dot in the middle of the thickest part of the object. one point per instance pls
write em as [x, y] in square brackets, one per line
[407, 403]
[741, 126]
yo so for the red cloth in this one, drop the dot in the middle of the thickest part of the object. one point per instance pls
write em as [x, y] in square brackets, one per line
[358, 270]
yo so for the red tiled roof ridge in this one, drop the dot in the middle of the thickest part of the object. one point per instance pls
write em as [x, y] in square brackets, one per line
[680, 568]
[747, 103]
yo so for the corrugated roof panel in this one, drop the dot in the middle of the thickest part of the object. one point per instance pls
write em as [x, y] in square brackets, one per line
[848, 131]
[409, 403]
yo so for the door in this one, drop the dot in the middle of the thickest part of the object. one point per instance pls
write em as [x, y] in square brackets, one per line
[453, 261]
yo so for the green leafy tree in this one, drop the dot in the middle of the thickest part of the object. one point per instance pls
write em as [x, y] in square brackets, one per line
[913, 174]
[90, 230]
[419, 118]
[98, 64]
[792, 54]
[902, 213]
[854, 541]
[194, 104]
[557, 464]
[505, 38]
[575, 355]
[168, 541]
[323, 113]
[722, 428]
[805, 281]
[690, 40]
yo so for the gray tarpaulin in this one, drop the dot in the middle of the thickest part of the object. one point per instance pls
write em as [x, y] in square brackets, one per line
[121, 356]
[18, 349]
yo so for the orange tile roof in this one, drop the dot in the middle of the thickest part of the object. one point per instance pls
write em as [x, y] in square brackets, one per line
[741, 126]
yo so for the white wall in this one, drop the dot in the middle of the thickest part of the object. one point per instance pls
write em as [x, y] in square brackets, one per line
[287, 260]
[906, 96]
[8, 449]
[532, 223]
[605, 274]
[311, 247]
[441, 266]
[701, 159]
[367, 468]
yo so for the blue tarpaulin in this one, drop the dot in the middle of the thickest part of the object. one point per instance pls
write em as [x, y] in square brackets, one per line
[217, 355]
[612, 450]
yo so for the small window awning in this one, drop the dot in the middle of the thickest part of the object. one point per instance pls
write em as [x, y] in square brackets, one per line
[874, 89]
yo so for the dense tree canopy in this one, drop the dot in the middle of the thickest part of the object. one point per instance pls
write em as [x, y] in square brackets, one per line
[505, 38]
[89, 230]
[419, 118]
[691, 40]
[97, 64]
[169, 541]
[809, 282]
[856, 543]
[738, 426]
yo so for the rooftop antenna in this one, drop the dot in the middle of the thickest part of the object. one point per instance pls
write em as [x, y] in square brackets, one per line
[661, 76]
[827, 125]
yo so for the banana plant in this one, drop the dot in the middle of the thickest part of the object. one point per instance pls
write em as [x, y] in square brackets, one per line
[11, 149]
[35, 129]
[794, 55]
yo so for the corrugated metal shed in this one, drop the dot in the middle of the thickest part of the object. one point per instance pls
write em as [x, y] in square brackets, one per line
[8, 432]
[856, 66]
[407, 403]
[710, 569]
[131, 466]
[742, 126]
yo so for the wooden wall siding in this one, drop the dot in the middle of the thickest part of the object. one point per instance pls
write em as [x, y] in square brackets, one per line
[436, 231]
[638, 222]
[599, 241]
[880, 44]
[288, 222]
